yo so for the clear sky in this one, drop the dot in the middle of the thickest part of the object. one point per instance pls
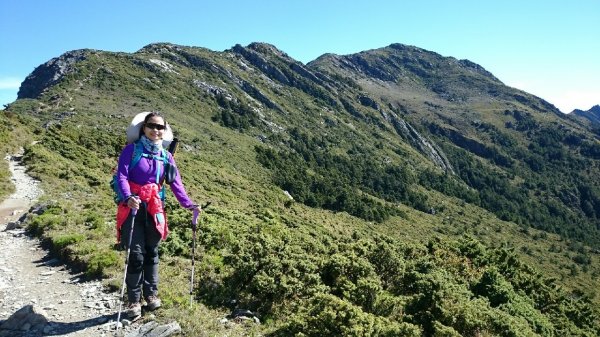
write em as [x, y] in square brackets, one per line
[549, 48]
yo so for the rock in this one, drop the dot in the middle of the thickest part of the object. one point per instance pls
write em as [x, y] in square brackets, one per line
[50, 73]
[240, 316]
[27, 318]
[261, 63]
[39, 209]
[164, 330]
[287, 194]
[12, 225]
[22, 218]
[146, 328]
[242, 319]
[241, 313]
[153, 329]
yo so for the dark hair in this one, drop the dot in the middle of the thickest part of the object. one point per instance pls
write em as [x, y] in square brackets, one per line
[148, 116]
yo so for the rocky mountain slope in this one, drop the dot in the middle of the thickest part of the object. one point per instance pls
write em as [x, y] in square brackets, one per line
[386, 151]
[593, 114]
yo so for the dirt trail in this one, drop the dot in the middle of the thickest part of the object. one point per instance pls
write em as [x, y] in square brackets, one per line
[29, 276]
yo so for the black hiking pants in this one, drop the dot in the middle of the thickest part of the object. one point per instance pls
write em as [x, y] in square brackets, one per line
[142, 270]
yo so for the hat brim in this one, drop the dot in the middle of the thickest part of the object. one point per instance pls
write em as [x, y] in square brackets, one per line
[133, 130]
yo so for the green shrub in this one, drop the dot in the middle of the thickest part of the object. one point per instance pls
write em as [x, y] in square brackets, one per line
[444, 331]
[328, 315]
[45, 222]
[61, 242]
[352, 278]
[494, 287]
[95, 221]
[100, 261]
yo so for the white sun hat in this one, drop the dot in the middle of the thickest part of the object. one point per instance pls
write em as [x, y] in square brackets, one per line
[133, 130]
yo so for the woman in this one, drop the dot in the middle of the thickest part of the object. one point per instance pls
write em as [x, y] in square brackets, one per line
[140, 185]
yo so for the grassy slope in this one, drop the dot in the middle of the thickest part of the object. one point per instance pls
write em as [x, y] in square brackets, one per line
[12, 136]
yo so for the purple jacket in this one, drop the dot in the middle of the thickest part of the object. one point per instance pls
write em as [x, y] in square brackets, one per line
[145, 172]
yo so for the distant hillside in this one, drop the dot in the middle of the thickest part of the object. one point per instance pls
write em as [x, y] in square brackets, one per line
[500, 141]
[593, 114]
[392, 192]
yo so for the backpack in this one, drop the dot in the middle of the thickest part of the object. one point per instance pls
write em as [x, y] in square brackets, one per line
[138, 153]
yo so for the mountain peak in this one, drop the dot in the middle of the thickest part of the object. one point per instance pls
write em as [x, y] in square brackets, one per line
[51, 73]
[157, 47]
[262, 48]
[593, 114]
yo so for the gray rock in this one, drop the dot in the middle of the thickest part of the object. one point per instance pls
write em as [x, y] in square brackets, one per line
[51, 72]
[164, 330]
[153, 329]
[39, 209]
[22, 218]
[13, 225]
[146, 328]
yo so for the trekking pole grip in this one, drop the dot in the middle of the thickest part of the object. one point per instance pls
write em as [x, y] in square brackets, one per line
[134, 210]
[195, 217]
[197, 213]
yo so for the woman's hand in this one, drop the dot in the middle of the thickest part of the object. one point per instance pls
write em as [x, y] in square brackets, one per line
[195, 207]
[133, 202]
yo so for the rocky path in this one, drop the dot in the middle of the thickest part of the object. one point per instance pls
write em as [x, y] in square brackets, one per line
[38, 294]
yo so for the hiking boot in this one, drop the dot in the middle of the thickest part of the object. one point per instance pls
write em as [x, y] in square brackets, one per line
[134, 310]
[152, 302]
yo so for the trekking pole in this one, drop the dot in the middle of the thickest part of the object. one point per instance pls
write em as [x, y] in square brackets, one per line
[194, 223]
[133, 214]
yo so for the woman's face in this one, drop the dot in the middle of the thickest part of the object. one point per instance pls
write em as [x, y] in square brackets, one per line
[154, 128]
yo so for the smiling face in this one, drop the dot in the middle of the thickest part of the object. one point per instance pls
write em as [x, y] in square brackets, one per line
[154, 128]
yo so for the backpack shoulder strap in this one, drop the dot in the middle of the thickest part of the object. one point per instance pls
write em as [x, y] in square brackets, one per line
[138, 151]
[165, 159]
[165, 156]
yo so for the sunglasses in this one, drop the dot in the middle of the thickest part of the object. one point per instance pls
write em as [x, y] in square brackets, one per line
[155, 126]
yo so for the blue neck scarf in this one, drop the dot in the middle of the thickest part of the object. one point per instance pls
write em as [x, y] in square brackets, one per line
[150, 146]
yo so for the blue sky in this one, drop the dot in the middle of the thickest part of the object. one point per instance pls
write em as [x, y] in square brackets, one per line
[550, 48]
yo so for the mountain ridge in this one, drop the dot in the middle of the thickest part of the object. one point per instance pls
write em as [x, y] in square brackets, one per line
[397, 73]
[375, 89]
[593, 114]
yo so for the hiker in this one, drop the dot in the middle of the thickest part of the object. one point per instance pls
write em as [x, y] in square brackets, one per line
[141, 186]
